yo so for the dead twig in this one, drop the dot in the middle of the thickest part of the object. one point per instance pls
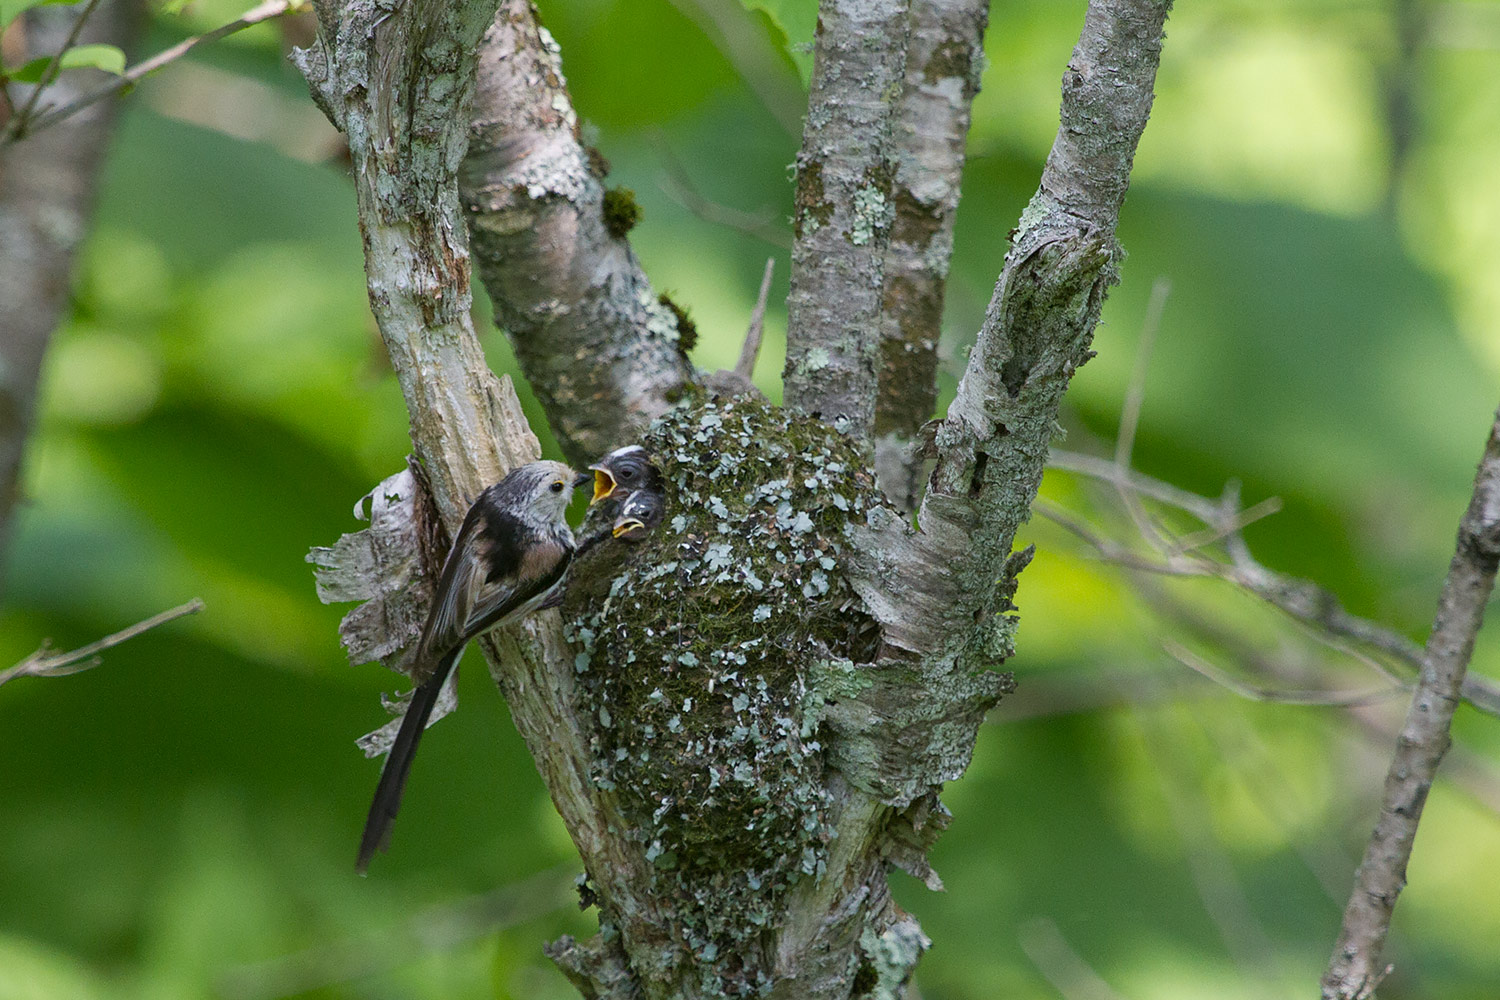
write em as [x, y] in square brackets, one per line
[44, 663]
[262, 12]
[1356, 967]
[751, 348]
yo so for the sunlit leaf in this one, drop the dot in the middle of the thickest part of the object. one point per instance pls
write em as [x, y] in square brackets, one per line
[106, 57]
[30, 72]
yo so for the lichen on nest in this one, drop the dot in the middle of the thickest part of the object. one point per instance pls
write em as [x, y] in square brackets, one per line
[698, 664]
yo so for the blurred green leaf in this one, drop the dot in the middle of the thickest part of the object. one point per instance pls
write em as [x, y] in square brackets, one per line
[106, 57]
[30, 72]
[794, 22]
[12, 9]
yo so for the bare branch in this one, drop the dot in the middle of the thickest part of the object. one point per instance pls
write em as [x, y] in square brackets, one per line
[843, 211]
[266, 11]
[1135, 393]
[1060, 964]
[677, 185]
[750, 350]
[43, 663]
[944, 61]
[992, 445]
[599, 347]
[47, 190]
[1202, 667]
[1302, 600]
[1355, 969]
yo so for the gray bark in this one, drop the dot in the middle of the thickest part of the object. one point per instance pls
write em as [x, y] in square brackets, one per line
[47, 185]
[992, 445]
[1355, 969]
[600, 351]
[944, 61]
[748, 717]
[843, 211]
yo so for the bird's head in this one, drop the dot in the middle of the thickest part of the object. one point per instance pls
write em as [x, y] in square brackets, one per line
[623, 472]
[542, 490]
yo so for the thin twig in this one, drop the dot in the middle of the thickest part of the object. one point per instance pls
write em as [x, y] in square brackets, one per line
[1356, 968]
[1135, 393]
[1253, 692]
[43, 664]
[677, 185]
[1059, 963]
[262, 12]
[21, 124]
[1302, 600]
[751, 348]
[1130, 413]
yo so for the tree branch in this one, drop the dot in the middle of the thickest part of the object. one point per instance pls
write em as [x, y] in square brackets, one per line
[44, 663]
[992, 445]
[46, 202]
[944, 61]
[843, 211]
[1355, 969]
[1302, 600]
[598, 347]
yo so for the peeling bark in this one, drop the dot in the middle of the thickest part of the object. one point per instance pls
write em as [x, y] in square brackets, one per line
[46, 199]
[843, 211]
[944, 61]
[600, 350]
[1356, 968]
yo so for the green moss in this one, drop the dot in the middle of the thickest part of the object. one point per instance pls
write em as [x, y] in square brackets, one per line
[812, 208]
[597, 163]
[687, 330]
[621, 211]
[706, 660]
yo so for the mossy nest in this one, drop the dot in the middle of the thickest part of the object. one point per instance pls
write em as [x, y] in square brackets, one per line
[695, 664]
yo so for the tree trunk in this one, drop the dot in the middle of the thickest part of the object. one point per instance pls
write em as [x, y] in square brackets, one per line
[745, 720]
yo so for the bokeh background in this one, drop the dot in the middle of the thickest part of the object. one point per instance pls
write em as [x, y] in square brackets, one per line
[1318, 184]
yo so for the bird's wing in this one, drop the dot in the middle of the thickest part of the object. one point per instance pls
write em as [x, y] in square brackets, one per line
[519, 590]
[488, 578]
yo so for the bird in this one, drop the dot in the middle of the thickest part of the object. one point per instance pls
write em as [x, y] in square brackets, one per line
[631, 485]
[639, 514]
[509, 558]
[623, 472]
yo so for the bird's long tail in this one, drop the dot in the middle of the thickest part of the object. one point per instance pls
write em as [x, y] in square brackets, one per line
[398, 763]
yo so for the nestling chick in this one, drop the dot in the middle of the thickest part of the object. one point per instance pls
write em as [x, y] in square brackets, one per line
[510, 555]
[630, 484]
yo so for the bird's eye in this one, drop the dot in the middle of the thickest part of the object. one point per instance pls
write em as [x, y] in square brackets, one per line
[627, 474]
[557, 486]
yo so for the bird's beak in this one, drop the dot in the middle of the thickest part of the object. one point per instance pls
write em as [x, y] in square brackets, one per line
[581, 479]
[626, 526]
[604, 484]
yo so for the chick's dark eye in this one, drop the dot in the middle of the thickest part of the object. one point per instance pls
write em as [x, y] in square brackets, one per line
[557, 487]
[627, 474]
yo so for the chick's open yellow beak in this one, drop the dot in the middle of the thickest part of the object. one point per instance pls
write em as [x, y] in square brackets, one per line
[604, 484]
[626, 527]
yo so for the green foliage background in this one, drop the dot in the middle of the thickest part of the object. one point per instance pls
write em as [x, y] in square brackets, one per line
[217, 401]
